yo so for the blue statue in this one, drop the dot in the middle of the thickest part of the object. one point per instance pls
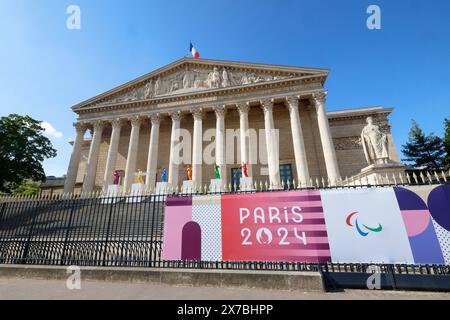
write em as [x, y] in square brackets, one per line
[164, 175]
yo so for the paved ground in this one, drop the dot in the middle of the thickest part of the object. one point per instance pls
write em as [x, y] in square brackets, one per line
[54, 289]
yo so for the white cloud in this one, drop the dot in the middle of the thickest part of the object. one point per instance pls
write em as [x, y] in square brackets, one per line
[50, 130]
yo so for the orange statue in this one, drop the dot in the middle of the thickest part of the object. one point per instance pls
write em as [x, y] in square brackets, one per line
[189, 172]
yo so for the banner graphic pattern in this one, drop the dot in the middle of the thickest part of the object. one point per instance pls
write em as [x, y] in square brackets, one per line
[368, 225]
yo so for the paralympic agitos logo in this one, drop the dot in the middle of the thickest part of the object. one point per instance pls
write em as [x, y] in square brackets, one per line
[364, 230]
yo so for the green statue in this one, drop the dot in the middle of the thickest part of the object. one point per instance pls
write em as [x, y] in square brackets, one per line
[216, 172]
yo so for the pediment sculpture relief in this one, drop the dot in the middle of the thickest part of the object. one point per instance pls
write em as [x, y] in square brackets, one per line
[192, 79]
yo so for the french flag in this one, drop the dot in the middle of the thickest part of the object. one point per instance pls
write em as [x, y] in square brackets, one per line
[194, 52]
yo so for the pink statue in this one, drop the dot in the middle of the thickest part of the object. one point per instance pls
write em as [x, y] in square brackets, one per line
[116, 177]
[244, 170]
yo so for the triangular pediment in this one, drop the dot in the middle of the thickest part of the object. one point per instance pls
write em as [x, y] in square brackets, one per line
[187, 76]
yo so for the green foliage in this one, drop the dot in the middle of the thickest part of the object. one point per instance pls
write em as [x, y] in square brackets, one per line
[447, 141]
[424, 150]
[23, 148]
[26, 188]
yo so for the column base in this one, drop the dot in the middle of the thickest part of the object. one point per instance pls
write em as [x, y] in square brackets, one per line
[188, 187]
[246, 184]
[162, 188]
[375, 174]
[112, 193]
[137, 190]
[216, 186]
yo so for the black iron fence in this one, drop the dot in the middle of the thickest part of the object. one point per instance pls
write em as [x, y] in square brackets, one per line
[91, 231]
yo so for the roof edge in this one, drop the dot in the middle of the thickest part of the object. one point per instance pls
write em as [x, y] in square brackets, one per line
[359, 111]
[175, 63]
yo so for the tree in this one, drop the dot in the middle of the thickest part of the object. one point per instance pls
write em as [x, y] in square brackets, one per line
[447, 141]
[27, 188]
[424, 150]
[23, 148]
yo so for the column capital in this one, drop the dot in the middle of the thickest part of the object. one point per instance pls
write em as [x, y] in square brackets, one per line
[176, 115]
[292, 100]
[319, 97]
[98, 125]
[80, 127]
[267, 105]
[197, 113]
[135, 121]
[155, 119]
[292, 103]
[243, 107]
[117, 123]
[220, 111]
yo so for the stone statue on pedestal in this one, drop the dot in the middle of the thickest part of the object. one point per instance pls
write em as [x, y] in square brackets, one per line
[375, 144]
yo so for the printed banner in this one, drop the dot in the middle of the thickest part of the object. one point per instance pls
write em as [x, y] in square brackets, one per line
[274, 226]
[368, 225]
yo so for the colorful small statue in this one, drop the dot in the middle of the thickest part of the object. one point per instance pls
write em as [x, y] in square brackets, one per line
[140, 178]
[216, 172]
[189, 172]
[245, 170]
[116, 175]
[164, 175]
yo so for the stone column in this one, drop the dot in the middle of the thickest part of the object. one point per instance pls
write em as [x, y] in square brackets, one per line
[130, 168]
[301, 162]
[74, 163]
[244, 136]
[91, 169]
[273, 160]
[220, 142]
[197, 148]
[174, 158]
[116, 125]
[152, 160]
[329, 152]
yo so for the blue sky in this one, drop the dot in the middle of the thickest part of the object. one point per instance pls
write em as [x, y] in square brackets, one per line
[46, 68]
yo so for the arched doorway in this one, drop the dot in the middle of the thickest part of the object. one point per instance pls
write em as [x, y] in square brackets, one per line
[191, 242]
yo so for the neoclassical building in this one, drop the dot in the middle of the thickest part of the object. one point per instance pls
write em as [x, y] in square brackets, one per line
[135, 127]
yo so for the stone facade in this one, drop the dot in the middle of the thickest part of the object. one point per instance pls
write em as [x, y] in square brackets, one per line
[289, 99]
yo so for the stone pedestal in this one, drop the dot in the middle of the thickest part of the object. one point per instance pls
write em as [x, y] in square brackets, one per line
[380, 174]
[162, 188]
[246, 184]
[188, 186]
[113, 191]
[137, 190]
[216, 186]
[161, 191]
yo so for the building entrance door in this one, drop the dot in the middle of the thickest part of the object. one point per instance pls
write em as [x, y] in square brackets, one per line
[236, 174]
[286, 174]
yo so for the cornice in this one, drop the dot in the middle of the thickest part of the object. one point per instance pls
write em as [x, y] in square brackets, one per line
[206, 63]
[358, 113]
[204, 94]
